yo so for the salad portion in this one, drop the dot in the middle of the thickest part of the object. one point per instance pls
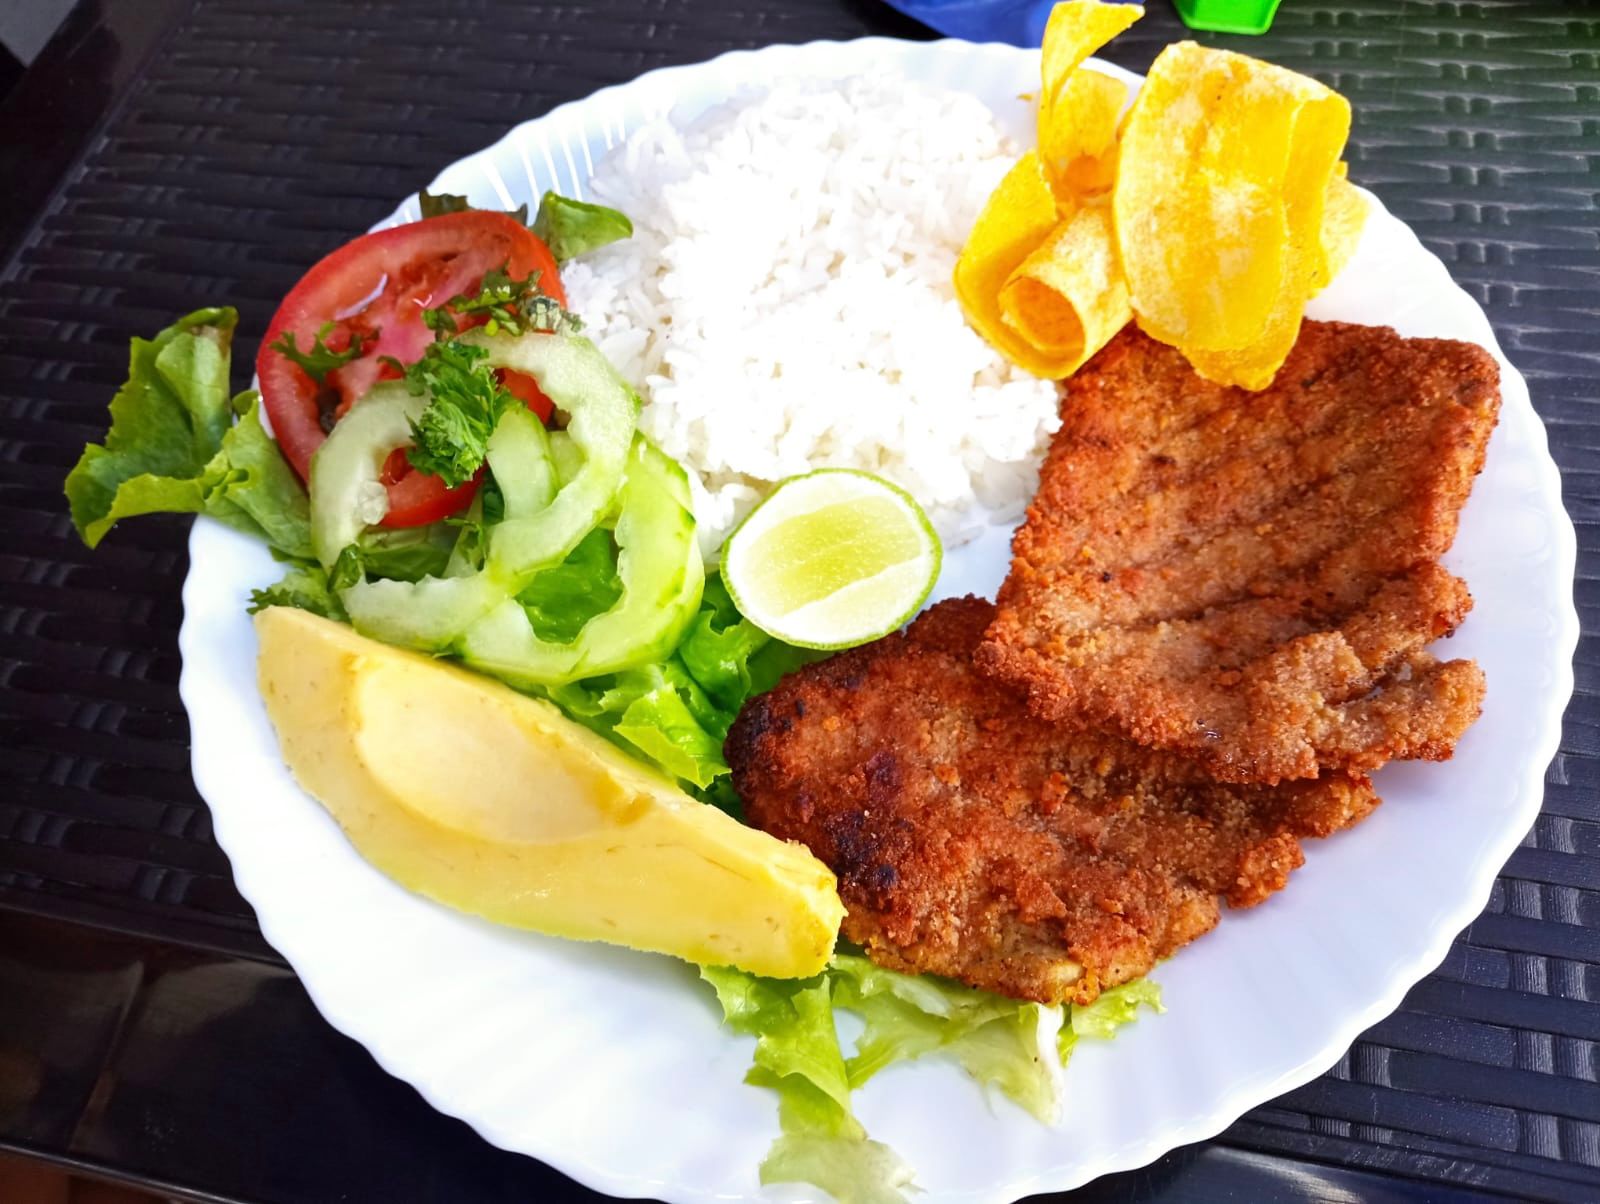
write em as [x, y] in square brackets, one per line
[456, 472]
[450, 471]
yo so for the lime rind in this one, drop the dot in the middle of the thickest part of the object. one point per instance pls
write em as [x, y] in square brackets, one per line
[860, 608]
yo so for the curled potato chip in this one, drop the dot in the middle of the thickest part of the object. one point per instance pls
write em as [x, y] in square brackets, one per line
[1018, 216]
[1078, 135]
[1068, 298]
[1344, 213]
[1221, 181]
[1079, 110]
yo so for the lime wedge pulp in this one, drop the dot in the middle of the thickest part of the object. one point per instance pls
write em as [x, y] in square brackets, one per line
[832, 559]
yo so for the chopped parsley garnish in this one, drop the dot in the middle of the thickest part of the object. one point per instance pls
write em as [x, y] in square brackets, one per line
[321, 359]
[507, 306]
[467, 399]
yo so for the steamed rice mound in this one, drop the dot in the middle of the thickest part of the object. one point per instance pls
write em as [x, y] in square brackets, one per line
[786, 304]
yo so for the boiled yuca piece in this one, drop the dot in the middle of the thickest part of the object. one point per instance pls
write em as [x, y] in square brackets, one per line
[495, 803]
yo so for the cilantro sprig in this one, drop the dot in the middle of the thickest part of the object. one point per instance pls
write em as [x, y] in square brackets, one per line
[320, 359]
[451, 438]
[507, 305]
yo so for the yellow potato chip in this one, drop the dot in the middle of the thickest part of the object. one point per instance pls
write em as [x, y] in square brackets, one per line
[1075, 30]
[1018, 216]
[1344, 214]
[1223, 172]
[1078, 110]
[1068, 298]
[1078, 135]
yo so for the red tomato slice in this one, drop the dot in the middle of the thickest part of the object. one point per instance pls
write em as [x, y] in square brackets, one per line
[526, 390]
[375, 288]
[416, 498]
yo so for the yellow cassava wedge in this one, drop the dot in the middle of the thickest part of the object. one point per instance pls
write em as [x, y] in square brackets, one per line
[495, 803]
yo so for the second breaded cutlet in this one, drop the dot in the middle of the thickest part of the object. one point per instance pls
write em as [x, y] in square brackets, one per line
[1250, 579]
[975, 841]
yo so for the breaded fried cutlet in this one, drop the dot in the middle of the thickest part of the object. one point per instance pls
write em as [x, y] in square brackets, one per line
[978, 842]
[1250, 579]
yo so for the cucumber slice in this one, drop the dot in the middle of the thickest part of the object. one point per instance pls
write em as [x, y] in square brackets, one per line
[567, 455]
[545, 518]
[519, 457]
[347, 496]
[601, 414]
[662, 579]
[428, 615]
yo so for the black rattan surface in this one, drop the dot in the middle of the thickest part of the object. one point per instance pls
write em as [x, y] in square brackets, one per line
[261, 133]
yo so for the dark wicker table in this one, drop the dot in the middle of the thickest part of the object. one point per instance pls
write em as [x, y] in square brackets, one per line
[168, 153]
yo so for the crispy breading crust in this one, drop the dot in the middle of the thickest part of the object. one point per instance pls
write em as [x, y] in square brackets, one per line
[1250, 578]
[975, 841]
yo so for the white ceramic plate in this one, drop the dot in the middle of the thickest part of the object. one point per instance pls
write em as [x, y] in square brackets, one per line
[611, 1066]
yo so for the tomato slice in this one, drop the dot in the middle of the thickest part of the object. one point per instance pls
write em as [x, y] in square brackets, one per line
[375, 289]
[526, 390]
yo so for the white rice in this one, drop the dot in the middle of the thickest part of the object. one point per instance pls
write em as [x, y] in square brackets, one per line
[785, 302]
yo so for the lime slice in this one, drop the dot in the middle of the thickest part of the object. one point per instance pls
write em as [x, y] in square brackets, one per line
[832, 559]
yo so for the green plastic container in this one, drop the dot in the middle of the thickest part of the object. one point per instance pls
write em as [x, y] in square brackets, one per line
[1228, 16]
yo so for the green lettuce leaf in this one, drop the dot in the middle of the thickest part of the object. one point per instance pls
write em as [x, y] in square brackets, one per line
[661, 722]
[676, 713]
[305, 587]
[732, 659]
[1101, 1019]
[250, 486]
[571, 228]
[436, 204]
[996, 1040]
[562, 599]
[406, 553]
[174, 447]
[797, 1055]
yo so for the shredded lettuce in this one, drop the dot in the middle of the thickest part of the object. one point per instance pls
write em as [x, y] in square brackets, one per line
[174, 446]
[1101, 1019]
[797, 1055]
[997, 1041]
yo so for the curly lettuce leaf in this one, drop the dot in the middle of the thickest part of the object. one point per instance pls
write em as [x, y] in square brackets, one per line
[250, 486]
[1100, 1020]
[305, 587]
[798, 1056]
[174, 447]
[406, 553]
[572, 228]
[995, 1039]
[675, 713]
[437, 204]
[560, 600]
